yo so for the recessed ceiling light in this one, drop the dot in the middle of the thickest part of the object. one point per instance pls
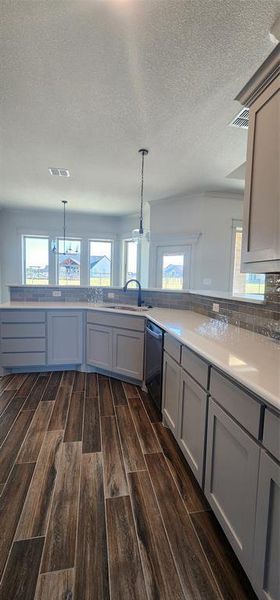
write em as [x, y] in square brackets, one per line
[59, 172]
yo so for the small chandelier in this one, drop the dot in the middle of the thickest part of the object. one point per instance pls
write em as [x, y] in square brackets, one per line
[54, 248]
[138, 234]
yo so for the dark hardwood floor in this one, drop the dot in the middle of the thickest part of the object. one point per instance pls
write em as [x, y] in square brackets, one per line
[97, 501]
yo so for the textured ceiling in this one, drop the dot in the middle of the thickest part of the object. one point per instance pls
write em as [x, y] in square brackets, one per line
[86, 83]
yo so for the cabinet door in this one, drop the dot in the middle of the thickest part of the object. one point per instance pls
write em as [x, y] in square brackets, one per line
[65, 330]
[267, 538]
[128, 352]
[170, 392]
[192, 423]
[261, 229]
[99, 346]
[232, 462]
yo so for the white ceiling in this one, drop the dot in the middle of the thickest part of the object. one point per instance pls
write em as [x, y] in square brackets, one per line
[87, 83]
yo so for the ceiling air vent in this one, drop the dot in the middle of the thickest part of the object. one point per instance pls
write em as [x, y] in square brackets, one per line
[241, 120]
[59, 172]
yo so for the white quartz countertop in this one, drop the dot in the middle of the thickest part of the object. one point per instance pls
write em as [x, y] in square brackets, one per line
[250, 358]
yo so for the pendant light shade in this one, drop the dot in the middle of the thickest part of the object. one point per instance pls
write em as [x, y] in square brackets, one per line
[138, 234]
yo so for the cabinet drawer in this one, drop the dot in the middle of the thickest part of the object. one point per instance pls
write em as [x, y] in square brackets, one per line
[271, 433]
[22, 330]
[23, 316]
[23, 359]
[195, 366]
[24, 345]
[237, 402]
[115, 320]
[173, 347]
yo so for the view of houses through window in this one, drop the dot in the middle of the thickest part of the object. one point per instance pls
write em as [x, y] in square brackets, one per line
[69, 268]
[171, 265]
[36, 260]
[173, 271]
[244, 283]
[100, 263]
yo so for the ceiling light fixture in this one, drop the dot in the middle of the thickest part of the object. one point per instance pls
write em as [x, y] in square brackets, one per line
[139, 233]
[54, 247]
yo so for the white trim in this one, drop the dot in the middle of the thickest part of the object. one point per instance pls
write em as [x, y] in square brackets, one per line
[230, 195]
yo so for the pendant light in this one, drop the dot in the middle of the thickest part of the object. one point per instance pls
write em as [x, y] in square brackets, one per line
[138, 234]
[55, 249]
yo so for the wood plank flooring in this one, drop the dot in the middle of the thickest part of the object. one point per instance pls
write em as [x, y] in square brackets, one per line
[97, 501]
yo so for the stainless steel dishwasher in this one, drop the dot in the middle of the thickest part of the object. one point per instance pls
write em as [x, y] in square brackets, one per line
[154, 336]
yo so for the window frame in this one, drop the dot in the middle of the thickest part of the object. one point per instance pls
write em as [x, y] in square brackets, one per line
[237, 226]
[26, 236]
[125, 259]
[61, 239]
[106, 240]
[174, 249]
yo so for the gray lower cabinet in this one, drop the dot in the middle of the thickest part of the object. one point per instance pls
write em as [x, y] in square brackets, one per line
[128, 351]
[170, 392]
[65, 337]
[116, 350]
[267, 536]
[232, 463]
[100, 346]
[192, 424]
[23, 338]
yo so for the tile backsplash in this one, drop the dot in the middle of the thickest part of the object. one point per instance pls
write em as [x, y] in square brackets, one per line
[262, 318]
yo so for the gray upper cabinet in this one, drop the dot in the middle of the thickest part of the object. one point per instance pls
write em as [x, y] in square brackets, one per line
[261, 224]
[267, 537]
[100, 346]
[170, 392]
[232, 463]
[128, 350]
[65, 337]
[192, 424]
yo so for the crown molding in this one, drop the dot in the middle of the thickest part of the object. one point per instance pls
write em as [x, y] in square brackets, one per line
[227, 195]
[268, 71]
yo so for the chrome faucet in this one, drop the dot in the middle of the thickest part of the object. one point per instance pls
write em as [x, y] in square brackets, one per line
[139, 300]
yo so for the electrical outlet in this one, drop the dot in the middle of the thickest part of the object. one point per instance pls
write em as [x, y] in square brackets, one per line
[216, 307]
[56, 293]
[111, 295]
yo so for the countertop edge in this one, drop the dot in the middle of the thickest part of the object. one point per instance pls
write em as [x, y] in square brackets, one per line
[262, 394]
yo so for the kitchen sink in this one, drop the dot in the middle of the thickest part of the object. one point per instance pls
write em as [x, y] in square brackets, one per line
[128, 307]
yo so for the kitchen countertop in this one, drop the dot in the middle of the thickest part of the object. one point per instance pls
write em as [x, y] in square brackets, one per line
[250, 358]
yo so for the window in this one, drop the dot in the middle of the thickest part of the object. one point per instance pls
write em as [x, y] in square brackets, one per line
[36, 260]
[173, 267]
[249, 284]
[69, 264]
[100, 263]
[130, 260]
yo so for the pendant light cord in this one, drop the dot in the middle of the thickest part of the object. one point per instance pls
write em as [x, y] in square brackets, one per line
[143, 151]
[64, 224]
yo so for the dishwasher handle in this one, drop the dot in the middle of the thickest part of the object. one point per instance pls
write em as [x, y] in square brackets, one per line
[157, 336]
